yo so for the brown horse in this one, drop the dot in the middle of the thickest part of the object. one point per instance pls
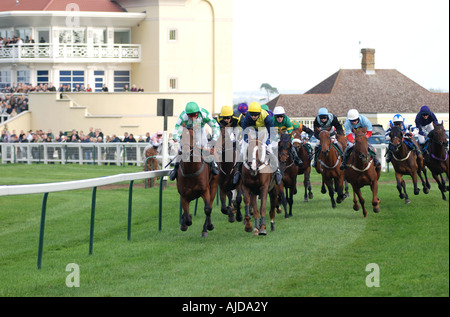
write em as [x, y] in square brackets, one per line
[195, 180]
[436, 158]
[150, 163]
[305, 168]
[361, 171]
[227, 153]
[329, 163]
[289, 169]
[257, 179]
[405, 162]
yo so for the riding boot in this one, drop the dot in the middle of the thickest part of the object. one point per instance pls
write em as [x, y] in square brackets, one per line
[316, 156]
[214, 168]
[173, 173]
[376, 161]
[297, 159]
[344, 159]
[237, 174]
[388, 156]
[278, 176]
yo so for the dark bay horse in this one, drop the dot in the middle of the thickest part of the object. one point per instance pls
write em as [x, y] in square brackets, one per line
[228, 156]
[305, 169]
[289, 170]
[436, 157]
[405, 162]
[361, 171]
[195, 180]
[329, 163]
[257, 179]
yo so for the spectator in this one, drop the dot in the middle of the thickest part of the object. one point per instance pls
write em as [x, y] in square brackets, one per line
[126, 89]
[88, 88]
[133, 88]
[104, 88]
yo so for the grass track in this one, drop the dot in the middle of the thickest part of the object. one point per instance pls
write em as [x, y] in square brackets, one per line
[318, 252]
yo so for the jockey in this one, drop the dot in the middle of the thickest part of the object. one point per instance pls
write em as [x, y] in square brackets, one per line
[242, 108]
[356, 120]
[194, 116]
[257, 118]
[407, 129]
[304, 129]
[424, 123]
[156, 139]
[227, 119]
[326, 121]
[283, 124]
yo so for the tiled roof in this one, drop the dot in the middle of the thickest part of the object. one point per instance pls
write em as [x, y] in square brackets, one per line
[59, 5]
[387, 91]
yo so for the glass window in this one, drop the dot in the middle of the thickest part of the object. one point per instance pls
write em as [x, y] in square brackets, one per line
[122, 37]
[23, 76]
[72, 78]
[5, 79]
[99, 36]
[42, 77]
[121, 78]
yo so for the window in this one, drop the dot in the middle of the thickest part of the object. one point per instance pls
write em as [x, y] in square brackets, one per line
[173, 35]
[99, 36]
[71, 77]
[70, 36]
[5, 79]
[23, 76]
[42, 77]
[173, 83]
[122, 37]
[99, 76]
[121, 78]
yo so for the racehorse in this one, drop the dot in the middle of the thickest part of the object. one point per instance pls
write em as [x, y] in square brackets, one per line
[150, 161]
[360, 171]
[405, 162]
[329, 162]
[289, 169]
[227, 169]
[195, 180]
[305, 168]
[257, 179]
[436, 157]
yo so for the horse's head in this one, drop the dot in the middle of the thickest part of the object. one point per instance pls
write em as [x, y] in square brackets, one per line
[396, 136]
[284, 147]
[256, 154]
[188, 145]
[361, 147]
[325, 141]
[437, 135]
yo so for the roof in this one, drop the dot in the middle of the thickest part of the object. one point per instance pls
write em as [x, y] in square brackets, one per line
[386, 91]
[59, 5]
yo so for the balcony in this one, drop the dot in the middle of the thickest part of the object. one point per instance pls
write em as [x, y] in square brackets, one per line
[70, 53]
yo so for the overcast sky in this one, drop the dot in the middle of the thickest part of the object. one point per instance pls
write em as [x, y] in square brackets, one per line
[295, 44]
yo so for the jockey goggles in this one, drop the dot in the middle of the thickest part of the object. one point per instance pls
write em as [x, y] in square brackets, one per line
[254, 114]
[192, 115]
[279, 116]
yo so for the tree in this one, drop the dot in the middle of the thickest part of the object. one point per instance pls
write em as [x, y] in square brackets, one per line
[269, 90]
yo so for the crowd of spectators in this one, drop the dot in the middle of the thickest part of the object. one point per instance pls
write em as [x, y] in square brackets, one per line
[12, 104]
[93, 136]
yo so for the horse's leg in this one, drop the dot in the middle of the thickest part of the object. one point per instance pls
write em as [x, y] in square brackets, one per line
[323, 189]
[400, 187]
[414, 179]
[231, 217]
[254, 204]
[208, 223]
[329, 183]
[346, 188]
[286, 214]
[238, 204]
[223, 200]
[247, 222]
[375, 199]
[357, 191]
[273, 203]
[186, 218]
[290, 200]
[440, 185]
[262, 212]
[355, 200]
[425, 189]
[339, 185]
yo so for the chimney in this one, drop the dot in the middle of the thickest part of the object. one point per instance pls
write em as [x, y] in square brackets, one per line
[368, 60]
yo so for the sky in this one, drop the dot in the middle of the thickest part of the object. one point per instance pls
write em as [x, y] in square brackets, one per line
[296, 44]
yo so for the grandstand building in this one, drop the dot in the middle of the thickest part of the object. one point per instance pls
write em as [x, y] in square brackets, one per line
[172, 49]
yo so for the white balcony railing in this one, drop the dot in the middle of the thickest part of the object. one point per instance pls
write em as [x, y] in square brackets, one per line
[47, 52]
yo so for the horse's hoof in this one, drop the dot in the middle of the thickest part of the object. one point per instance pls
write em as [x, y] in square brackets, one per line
[426, 190]
[279, 210]
[305, 199]
[238, 217]
[311, 196]
[333, 205]
[224, 211]
[188, 221]
[323, 191]
[204, 235]
[416, 192]
[272, 226]
[248, 229]
[355, 207]
[210, 227]
[255, 232]
[183, 227]
[262, 232]
[231, 218]
[407, 201]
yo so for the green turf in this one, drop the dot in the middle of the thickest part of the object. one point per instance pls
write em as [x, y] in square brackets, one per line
[319, 251]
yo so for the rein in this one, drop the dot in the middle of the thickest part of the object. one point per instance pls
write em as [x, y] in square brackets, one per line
[359, 170]
[439, 159]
